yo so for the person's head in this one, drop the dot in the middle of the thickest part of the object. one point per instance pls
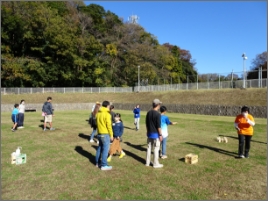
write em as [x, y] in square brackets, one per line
[137, 106]
[156, 104]
[98, 103]
[106, 104]
[49, 99]
[117, 117]
[111, 107]
[22, 102]
[16, 105]
[163, 109]
[245, 110]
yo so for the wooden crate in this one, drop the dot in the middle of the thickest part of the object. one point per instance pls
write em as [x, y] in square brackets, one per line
[191, 158]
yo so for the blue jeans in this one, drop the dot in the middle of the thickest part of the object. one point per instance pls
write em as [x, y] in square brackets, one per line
[164, 145]
[103, 149]
[20, 119]
[92, 134]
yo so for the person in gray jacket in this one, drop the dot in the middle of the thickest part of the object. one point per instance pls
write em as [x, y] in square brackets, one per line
[47, 109]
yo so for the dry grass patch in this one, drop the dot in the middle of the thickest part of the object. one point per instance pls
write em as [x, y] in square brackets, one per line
[251, 97]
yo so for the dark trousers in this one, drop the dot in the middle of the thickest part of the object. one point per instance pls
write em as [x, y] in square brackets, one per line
[20, 119]
[242, 139]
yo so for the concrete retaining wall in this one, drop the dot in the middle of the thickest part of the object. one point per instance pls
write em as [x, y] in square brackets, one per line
[218, 110]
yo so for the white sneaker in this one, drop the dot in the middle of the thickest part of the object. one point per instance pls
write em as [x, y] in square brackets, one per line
[106, 167]
[164, 156]
[20, 127]
[91, 141]
[158, 166]
[241, 156]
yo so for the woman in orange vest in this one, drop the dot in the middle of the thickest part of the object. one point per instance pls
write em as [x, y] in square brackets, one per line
[244, 123]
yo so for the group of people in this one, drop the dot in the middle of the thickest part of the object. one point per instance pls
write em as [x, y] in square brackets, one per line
[17, 115]
[156, 131]
[109, 128]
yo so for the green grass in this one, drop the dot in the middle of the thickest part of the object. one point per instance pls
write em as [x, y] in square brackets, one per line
[61, 163]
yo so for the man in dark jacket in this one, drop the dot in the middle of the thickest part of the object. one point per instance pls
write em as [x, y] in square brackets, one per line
[47, 109]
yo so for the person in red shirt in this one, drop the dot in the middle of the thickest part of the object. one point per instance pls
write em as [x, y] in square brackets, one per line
[244, 123]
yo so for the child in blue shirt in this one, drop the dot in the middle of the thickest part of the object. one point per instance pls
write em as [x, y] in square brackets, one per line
[136, 112]
[164, 126]
[118, 129]
[14, 117]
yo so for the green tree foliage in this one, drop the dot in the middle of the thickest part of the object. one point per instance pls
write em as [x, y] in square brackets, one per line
[56, 44]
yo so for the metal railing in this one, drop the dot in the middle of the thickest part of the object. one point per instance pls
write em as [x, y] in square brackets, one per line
[149, 88]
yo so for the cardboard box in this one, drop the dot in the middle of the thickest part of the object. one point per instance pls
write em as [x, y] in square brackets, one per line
[21, 159]
[191, 158]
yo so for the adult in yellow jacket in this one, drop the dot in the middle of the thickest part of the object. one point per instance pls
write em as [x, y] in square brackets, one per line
[105, 135]
[244, 123]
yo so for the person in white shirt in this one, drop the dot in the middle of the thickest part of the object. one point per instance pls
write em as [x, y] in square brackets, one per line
[21, 114]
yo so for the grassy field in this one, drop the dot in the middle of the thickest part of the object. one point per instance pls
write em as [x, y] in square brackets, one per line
[250, 97]
[61, 163]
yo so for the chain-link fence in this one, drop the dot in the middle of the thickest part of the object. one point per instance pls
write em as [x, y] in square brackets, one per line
[201, 81]
[148, 88]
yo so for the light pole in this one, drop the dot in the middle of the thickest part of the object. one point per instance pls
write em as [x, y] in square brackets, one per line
[244, 71]
[138, 78]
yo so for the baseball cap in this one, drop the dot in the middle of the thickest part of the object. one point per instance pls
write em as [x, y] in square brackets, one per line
[157, 101]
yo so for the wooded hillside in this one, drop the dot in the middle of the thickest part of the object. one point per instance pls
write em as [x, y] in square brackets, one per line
[56, 44]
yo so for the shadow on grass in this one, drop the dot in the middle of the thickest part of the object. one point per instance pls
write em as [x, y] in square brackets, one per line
[42, 120]
[128, 153]
[214, 149]
[139, 147]
[95, 147]
[85, 153]
[182, 159]
[82, 135]
[42, 126]
[129, 128]
[237, 139]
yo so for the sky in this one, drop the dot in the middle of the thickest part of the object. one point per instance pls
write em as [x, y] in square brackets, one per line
[216, 33]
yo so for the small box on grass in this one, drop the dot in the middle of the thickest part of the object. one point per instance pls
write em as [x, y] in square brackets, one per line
[21, 159]
[191, 158]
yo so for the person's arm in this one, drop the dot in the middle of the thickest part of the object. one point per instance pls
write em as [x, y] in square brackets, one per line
[46, 108]
[146, 123]
[50, 105]
[236, 123]
[250, 120]
[109, 126]
[158, 124]
[121, 129]
[168, 122]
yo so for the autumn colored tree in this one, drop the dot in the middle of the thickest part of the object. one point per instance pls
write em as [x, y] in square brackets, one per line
[56, 44]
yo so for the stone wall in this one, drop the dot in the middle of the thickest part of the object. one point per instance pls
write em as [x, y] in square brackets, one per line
[218, 110]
